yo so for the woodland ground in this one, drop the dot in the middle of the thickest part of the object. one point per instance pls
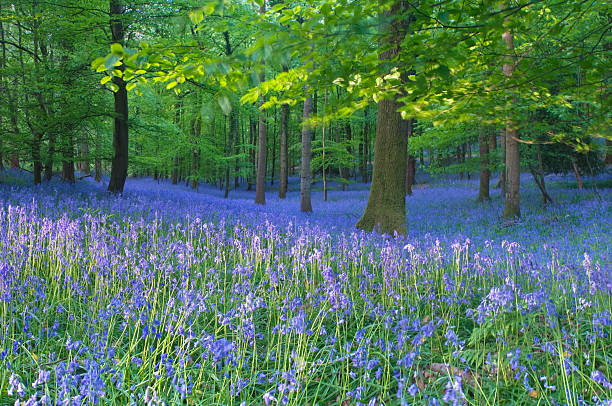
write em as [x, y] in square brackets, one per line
[183, 297]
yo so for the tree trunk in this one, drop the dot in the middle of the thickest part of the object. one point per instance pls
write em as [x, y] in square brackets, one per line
[252, 173]
[273, 166]
[260, 186]
[120, 129]
[68, 159]
[84, 167]
[233, 134]
[98, 160]
[37, 169]
[364, 162]
[502, 174]
[305, 176]
[608, 159]
[485, 173]
[409, 160]
[197, 129]
[284, 133]
[577, 174]
[386, 208]
[513, 163]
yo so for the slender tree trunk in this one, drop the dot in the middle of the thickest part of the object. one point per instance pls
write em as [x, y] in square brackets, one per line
[485, 173]
[577, 174]
[608, 159]
[502, 173]
[284, 133]
[305, 176]
[386, 208]
[120, 129]
[68, 159]
[233, 134]
[366, 131]
[197, 128]
[175, 170]
[513, 163]
[252, 173]
[409, 160]
[273, 169]
[84, 155]
[98, 160]
[260, 186]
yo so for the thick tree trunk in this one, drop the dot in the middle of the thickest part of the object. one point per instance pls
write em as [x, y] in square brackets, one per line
[120, 129]
[513, 162]
[305, 176]
[284, 133]
[485, 173]
[386, 208]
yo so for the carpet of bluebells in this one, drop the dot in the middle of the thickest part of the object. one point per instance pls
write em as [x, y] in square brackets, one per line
[171, 296]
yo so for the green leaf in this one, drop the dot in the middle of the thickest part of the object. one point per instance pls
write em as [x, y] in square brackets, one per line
[98, 62]
[105, 79]
[131, 85]
[116, 49]
[171, 85]
[209, 8]
[111, 62]
[196, 16]
[444, 17]
[114, 87]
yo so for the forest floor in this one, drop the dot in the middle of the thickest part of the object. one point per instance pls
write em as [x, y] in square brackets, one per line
[172, 295]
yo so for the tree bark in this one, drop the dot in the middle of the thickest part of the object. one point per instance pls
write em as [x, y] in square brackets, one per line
[283, 164]
[366, 131]
[84, 167]
[513, 163]
[253, 170]
[233, 134]
[386, 208]
[120, 129]
[262, 152]
[485, 173]
[409, 159]
[305, 176]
